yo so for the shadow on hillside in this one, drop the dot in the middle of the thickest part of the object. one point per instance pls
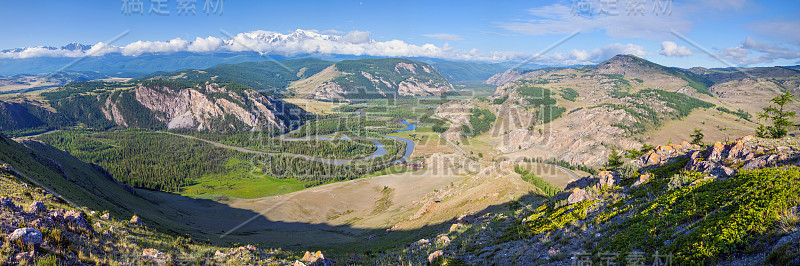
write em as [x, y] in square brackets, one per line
[218, 223]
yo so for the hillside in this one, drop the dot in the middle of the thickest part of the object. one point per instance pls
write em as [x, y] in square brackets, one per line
[579, 115]
[373, 78]
[263, 75]
[678, 207]
[202, 106]
[57, 210]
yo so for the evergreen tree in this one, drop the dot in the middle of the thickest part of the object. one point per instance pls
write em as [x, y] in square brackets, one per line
[614, 160]
[781, 119]
[697, 137]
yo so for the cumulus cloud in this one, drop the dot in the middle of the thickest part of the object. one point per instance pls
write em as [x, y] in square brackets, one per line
[672, 49]
[357, 37]
[444, 36]
[598, 54]
[752, 52]
[141, 47]
[209, 44]
[356, 43]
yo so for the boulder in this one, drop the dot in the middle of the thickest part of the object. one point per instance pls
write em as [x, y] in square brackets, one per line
[607, 179]
[37, 207]
[105, 216]
[714, 153]
[465, 219]
[435, 256]
[577, 195]
[136, 220]
[420, 243]
[443, 240]
[6, 203]
[455, 227]
[155, 256]
[316, 259]
[642, 179]
[650, 158]
[74, 220]
[43, 223]
[28, 236]
[25, 256]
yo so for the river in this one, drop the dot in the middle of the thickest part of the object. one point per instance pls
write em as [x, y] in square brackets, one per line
[379, 151]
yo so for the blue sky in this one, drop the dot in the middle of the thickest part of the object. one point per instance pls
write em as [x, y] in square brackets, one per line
[736, 32]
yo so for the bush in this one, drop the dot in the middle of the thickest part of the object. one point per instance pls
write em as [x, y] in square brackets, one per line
[628, 171]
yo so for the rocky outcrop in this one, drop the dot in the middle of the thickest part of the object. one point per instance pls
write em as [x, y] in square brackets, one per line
[662, 155]
[725, 159]
[607, 179]
[136, 220]
[316, 259]
[6, 203]
[577, 195]
[155, 256]
[75, 221]
[746, 153]
[28, 236]
[434, 256]
[37, 207]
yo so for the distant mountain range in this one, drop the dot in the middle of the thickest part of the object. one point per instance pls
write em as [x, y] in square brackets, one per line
[327, 80]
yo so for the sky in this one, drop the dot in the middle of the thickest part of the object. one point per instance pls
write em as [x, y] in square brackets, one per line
[708, 33]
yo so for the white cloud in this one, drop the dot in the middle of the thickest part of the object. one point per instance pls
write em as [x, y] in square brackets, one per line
[669, 48]
[600, 54]
[752, 52]
[209, 44]
[309, 42]
[357, 36]
[444, 36]
[141, 47]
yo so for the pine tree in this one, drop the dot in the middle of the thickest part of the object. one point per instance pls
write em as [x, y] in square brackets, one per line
[614, 160]
[697, 137]
[780, 118]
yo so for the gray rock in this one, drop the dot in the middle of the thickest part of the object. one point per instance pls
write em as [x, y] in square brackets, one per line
[6, 203]
[135, 220]
[37, 207]
[28, 236]
[577, 195]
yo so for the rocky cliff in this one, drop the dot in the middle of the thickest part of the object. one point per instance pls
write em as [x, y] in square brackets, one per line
[202, 106]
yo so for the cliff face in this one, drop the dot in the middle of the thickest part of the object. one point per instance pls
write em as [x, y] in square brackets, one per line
[204, 107]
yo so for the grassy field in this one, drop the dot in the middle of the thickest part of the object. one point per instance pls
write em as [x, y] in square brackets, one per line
[241, 182]
[426, 141]
[716, 126]
[314, 106]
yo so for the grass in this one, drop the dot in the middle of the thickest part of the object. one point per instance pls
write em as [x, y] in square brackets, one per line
[241, 182]
[390, 171]
[708, 220]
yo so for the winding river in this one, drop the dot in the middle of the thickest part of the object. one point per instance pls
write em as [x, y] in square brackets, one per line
[379, 151]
